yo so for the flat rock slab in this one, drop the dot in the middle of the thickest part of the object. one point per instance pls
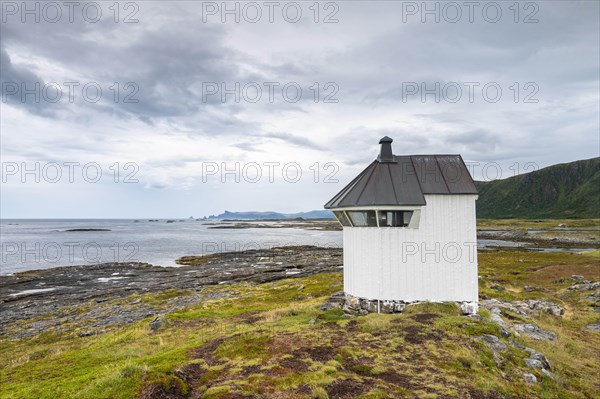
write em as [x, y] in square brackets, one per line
[525, 308]
[494, 342]
[533, 331]
[594, 326]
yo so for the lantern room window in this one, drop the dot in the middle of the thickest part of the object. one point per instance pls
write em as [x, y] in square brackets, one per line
[378, 218]
[342, 218]
[363, 218]
[394, 218]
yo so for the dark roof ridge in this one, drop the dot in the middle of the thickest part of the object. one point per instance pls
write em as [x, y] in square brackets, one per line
[402, 181]
[437, 161]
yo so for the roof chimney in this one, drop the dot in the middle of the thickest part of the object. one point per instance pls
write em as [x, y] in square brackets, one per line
[386, 150]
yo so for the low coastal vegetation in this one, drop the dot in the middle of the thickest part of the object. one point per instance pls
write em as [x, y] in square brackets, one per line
[275, 340]
[551, 224]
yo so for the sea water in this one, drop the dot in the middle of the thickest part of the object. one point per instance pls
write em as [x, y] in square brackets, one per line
[29, 244]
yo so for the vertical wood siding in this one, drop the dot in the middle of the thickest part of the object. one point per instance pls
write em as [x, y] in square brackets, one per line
[379, 262]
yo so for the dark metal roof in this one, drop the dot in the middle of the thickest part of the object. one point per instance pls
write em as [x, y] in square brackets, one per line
[404, 180]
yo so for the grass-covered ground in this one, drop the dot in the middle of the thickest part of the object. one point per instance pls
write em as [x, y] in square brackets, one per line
[272, 341]
[538, 223]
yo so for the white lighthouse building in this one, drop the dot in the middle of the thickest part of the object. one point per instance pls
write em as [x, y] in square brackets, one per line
[409, 232]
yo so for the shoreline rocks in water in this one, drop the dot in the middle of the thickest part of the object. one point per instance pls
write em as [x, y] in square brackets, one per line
[37, 293]
[79, 230]
[323, 225]
[543, 237]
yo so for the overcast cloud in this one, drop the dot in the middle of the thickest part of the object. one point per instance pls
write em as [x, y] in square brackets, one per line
[183, 148]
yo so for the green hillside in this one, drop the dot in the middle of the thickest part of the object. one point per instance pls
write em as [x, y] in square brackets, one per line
[570, 190]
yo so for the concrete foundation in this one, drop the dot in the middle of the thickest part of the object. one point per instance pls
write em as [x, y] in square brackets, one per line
[364, 305]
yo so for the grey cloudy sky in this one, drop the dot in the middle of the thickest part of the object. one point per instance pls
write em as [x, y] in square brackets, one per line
[509, 87]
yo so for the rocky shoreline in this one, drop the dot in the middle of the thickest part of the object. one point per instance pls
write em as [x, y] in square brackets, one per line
[310, 224]
[41, 294]
[540, 236]
[109, 294]
[544, 237]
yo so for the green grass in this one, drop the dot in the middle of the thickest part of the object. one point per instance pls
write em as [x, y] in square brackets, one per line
[595, 254]
[544, 223]
[273, 340]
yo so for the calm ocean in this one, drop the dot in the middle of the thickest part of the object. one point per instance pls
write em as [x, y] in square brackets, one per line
[29, 244]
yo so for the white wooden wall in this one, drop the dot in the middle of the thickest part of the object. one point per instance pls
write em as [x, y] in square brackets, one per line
[435, 262]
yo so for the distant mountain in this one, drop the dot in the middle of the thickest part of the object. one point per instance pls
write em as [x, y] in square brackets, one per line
[312, 215]
[273, 215]
[569, 190]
